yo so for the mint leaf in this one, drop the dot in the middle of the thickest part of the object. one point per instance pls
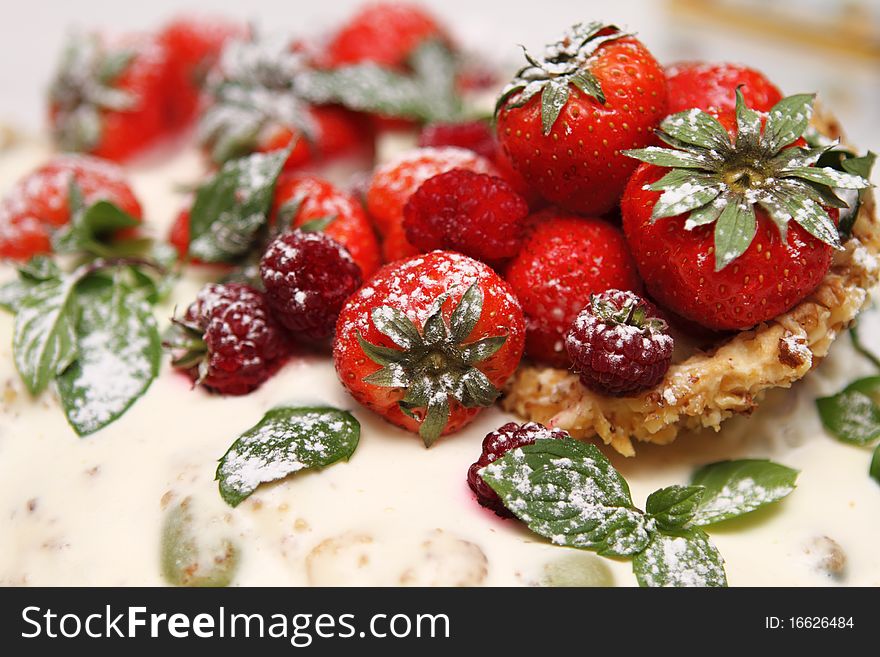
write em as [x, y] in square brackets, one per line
[874, 469]
[118, 354]
[44, 339]
[427, 94]
[285, 441]
[568, 492]
[89, 227]
[852, 415]
[232, 207]
[683, 558]
[188, 557]
[672, 507]
[33, 272]
[734, 488]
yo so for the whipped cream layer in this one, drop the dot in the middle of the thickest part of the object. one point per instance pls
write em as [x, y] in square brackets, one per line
[90, 511]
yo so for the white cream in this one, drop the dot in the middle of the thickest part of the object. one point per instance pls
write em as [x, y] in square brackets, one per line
[89, 511]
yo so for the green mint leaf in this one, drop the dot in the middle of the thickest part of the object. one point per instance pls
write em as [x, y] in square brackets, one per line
[861, 348]
[734, 488]
[673, 507]
[683, 558]
[853, 415]
[734, 231]
[44, 337]
[874, 469]
[188, 557]
[118, 354]
[89, 227]
[34, 271]
[569, 492]
[860, 166]
[787, 120]
[285, 441]
[435, 67]
[233, 206]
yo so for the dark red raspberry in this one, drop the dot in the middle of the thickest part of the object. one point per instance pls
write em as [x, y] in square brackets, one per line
[475, 136]
[227, 340]
[619, 344]
[308, 276]
[497, 444]
[475, 214]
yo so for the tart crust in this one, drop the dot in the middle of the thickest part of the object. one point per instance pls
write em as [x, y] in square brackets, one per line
[732, 377]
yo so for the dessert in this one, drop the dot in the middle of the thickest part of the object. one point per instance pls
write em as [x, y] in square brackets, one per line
[276, 267]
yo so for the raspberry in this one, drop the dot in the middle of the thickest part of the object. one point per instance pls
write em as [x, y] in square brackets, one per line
[228, 340]
[619, 344]
[308, 276]
[475, 136]
[473, 213]
[495, 445]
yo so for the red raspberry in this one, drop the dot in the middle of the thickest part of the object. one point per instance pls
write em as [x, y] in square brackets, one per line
[228, 340]
[473, 213]
[495, 445]
[475, 136]
[308, 276]
[619, 344]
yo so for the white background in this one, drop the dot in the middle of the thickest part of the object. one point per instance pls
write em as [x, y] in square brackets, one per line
[32, 32]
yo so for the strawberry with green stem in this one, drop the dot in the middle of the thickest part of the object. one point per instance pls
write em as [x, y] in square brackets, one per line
[429, 341]
[565, 118]
[739, 228]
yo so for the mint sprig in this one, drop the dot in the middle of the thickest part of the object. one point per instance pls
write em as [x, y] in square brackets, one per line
[89, 226]
[91, 331]
[232, 208]
[568, 492]
[285, 441]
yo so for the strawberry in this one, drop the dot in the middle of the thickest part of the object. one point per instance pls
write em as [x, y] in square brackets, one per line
[193, 45]
[773, 211]
[384, 33]
[429, 341]
[710, 87]
[40, 203]
[254, 105]
[564, 120]
[394, 182]
[565, 260]
[307, 199]
[110, 98]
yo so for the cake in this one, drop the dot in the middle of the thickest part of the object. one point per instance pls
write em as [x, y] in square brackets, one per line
[135, 501]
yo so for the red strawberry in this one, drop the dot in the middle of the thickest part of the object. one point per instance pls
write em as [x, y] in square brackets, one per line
[564, 120]
[429, 341]
[110, 97]
[394, 182]
[385, 33]
[395, 245]
[711, 87]
[254, 105]
[178, 235]
[315, 199]
[39, 203]
[563, 262]
[472, 213]
[773, 234]
[193, 45]
[228, 341]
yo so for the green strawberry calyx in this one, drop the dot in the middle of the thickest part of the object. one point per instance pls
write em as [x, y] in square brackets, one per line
[718, 179]
[435, 363]
[83, 87]
[565, 63]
